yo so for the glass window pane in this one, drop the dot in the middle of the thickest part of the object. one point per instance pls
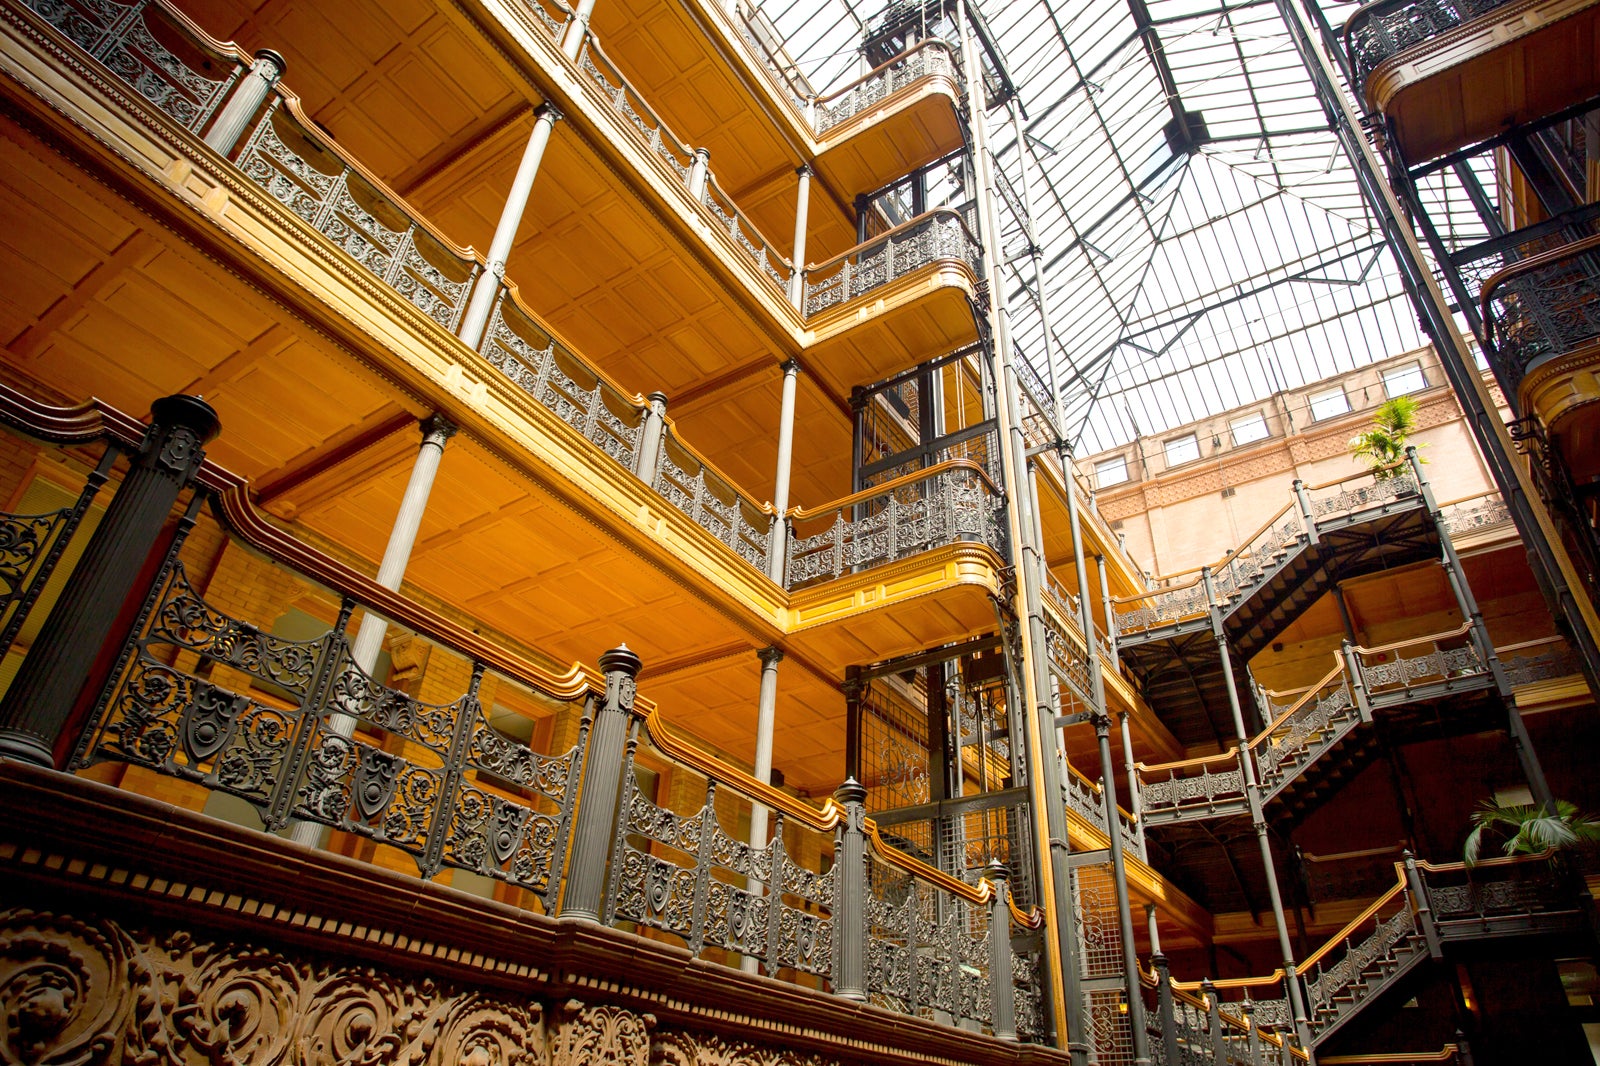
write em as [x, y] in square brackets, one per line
[1404, 379]
[1113, 471]
[1249, 428]
[1328, 403]
[1182, 449]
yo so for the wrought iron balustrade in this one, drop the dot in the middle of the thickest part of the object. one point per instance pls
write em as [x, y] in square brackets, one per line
[561, 381]
[626, 101]
[1393, 670]
[695, 487]
[1194, 788]
[927, 953]
[942, 505]
[1353, 875]
[1478, 513]
[744, 233]
[154, 50]
[785, 74]
[1382, 30]
[553, 15]
[929, 238]
[1542, 307]
[1351, 495]
[927, 59]
[1321, 715]
[1530, 662]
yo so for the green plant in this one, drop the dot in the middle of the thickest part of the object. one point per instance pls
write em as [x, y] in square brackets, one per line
[1384, 444]
[1528, 829]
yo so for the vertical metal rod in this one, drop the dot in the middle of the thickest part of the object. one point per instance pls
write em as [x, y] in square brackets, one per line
[1258, 819]
[779, 543]
[1105, 606]
[802, 207]
[487, 288]
[1135, 800]
[241, 107]
[1061, 941]
[1119, 876]
[39, 704]
[594, 822]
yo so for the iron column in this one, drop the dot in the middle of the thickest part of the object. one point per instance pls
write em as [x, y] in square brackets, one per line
[766, 716]
[802, 207]
[780, 488]
[505, 231]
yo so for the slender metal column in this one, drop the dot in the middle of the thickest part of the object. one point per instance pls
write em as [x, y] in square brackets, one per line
[577, 29]
[850, 914]
[436, 430]
[1135, 800]
[505, 231]
[1050, 816]
[1258, 819]
[766, 717]
[39, 704]
[594, 822]
[854, 688]
[649, 454]
[1119, 876]
[1105, 601]
[779, 544]
[1467, 603]
[246, 99]
[1002, 992]
[802, 207]
[1165, 1006]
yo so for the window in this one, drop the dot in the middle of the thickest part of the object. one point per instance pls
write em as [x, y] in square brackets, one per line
[1113, 471]
[1252, 427]
[1328, 403]
[1182, 449]
[1404, 379]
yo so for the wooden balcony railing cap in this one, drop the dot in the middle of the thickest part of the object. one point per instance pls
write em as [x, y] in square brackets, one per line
[803, 513]
[929, 43]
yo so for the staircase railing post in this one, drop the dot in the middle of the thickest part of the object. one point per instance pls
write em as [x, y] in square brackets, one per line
[1418, 890]
[1358, 682]
[1219, 1043]
[39, 705]
[1165, 1007]
[648, 456]
[1305, 512]
[850, 901]
[1002, 990]
[594, 823]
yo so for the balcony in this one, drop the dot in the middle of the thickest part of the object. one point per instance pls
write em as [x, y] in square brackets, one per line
[894, 301]
[1448, 73]
[545, 792]
[1542, 323]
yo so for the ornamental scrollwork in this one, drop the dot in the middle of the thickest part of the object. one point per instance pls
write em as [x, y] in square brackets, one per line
[600, 1035]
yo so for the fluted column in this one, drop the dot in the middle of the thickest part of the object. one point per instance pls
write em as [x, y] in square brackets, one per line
[766, 720]
[39, 704]
[246, 99]
[505, 231]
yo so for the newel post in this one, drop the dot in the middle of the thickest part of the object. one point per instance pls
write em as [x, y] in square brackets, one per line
[594, 823]
[40, 702]
[850, 900]
[1002, 991]
[241, 107]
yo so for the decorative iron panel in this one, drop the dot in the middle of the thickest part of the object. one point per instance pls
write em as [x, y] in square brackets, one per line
[928, 60]
[1545, 311]
[940, 234]
[1381, 31]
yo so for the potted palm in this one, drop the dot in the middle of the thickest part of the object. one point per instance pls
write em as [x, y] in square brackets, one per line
[1383, 445]
[1528, 829]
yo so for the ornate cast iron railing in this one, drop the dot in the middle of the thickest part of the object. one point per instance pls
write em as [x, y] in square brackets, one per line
[772, 263]
[1542, 307]
[1423, 905]
[296, 729]
[1462, 517]
[941, 505]
[1319, 716]
[1382, 30]
[155, 50]
[691, 484]
[1183, 595]
[927, 59]
[626, 101]
[561, 381]
[312, 177]
[936, 235]
[785, 74]
[189, 78]
[1186, 1029]
[1533, 661]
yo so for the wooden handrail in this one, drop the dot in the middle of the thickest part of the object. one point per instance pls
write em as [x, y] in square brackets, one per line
[669, 427]
[1445, 1054]
[804, 513]
[1355, 923]
[1525, 644]
[1216, 566]
[1371, 472]
[1197, 761]
[1463, 628]
[1310, 693]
